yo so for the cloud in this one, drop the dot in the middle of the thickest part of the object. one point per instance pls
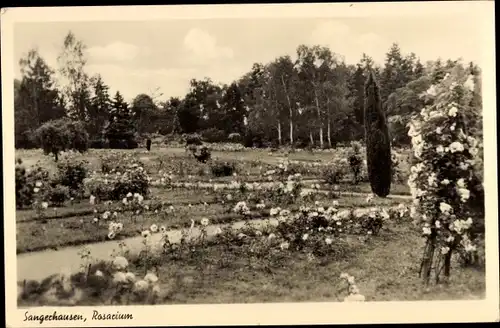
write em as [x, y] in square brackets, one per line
[116, 51]
[202, 47]
[343, 40]
[131, 82]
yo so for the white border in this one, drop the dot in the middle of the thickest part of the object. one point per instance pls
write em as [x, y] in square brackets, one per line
[275, 313]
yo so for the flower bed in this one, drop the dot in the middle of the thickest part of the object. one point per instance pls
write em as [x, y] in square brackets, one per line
[315, 233]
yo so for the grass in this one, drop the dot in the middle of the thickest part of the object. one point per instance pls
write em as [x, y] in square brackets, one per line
[385, 267]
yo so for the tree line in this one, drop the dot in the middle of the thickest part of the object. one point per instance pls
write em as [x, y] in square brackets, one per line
[315, 100]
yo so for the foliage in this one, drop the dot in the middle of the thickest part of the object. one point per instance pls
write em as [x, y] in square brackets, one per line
[193, 139]
[378, 146]
[121, 129]
[213, 135]
[125, 175]
[60, 135]
[315, 101]
[356, 161]
[222, 169]
[99, 110]
[72, 60]
[72, 173]
[110, 282]
[336, 173]
[99, 144]
[145, 113]
[59, 194]
[234, 137]
[30, 184]
[36, 99]
[201, 153]
[444, 181]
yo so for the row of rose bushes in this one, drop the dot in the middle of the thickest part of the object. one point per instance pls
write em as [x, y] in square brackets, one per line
[316, 232]
[124, 172]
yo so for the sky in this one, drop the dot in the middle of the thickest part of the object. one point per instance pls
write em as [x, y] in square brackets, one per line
[140, 56]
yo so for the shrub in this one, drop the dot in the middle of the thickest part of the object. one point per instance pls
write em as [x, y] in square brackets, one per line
[101, 190]
[253, 139]
[131, 178]
[378, 145]
[213, 135]
[222, 169]
[355, 161]
[193, 139]
[336, 173]
[72, 172]
[30, 184]
[123, 144]
[201, 153]
[26, 140]
[135, 182]
[99, 144]
[443, 180]
[301, 143]
[63, 134]
[235, 137]
[59, 194]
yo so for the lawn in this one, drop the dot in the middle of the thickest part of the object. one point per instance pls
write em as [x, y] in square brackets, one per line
[292, 279]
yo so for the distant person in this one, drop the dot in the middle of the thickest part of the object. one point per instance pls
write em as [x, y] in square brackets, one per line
[148, 144]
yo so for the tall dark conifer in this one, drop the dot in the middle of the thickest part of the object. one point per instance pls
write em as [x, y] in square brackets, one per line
[378, 146]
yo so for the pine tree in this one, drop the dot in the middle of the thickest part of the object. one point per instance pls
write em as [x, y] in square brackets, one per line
[121, 128]
[418, 70]
[378, 147]
[99, 109]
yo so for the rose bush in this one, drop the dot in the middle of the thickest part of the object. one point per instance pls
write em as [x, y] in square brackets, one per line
[444, 176]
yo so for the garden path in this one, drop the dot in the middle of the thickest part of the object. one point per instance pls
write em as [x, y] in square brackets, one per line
[41, 264]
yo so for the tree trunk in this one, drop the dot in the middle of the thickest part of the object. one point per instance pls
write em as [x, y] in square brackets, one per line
[329, 136]
[311, 138]
[289, 109]
[279, 133]
[447, 266]
[329, 132]
[319, 120]
[427, 260]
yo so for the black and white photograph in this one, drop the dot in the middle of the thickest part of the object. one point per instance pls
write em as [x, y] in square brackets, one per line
[252, 162]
